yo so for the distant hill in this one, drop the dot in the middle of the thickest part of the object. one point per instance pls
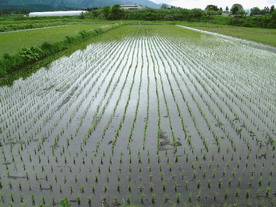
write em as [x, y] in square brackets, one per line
[43, 5]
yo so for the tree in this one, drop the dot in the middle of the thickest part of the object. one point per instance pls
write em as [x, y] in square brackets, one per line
[237, 9]
[116, 12]
[211, 8]
[227, 8]
[164, 6]
[272, 9]
[266, 10]
[105, 11]
[255, 11]
[272, 23]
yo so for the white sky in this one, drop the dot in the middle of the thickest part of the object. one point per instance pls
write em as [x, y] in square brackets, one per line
[247, 4]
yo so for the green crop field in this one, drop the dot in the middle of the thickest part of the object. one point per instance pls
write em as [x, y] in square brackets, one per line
[260, 35]
[11, 42]
[145, 115]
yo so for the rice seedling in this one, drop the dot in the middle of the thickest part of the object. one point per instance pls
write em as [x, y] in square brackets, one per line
[153, 197]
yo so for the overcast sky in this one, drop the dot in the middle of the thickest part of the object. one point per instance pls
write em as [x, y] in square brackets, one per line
[247, 4]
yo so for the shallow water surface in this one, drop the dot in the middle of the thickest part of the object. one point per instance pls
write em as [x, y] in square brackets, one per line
[148, 120]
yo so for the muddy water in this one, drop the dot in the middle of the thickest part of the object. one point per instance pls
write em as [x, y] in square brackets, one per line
[150, 120]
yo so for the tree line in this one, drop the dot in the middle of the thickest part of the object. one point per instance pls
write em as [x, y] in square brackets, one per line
[211, 14]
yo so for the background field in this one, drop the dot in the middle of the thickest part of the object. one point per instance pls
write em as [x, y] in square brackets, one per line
[260, 35]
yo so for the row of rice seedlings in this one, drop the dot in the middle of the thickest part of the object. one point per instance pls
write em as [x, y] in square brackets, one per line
[98, 143]
[175, 143]
[182, 94]
[248, 103]
[171, 170]
[242, 70]
[101, 162]
[148, 100]
[121, 122]
[196, 102]
[177, 105]
[226, 84]
[102, 106]
[159, 131]
[184, 128]
[115, 57]
[196, 88]
[98, 148]
[80, 93]
[93, 124]
[247, 142]
[37, 107]
[95, 119]
[130, 137]
[265, 106]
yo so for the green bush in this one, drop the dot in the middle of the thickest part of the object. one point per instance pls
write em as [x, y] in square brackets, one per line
[266, 21]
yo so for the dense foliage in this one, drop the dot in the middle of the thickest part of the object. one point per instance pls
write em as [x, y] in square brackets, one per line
[237, 9]
[149, 14]
[266, 21]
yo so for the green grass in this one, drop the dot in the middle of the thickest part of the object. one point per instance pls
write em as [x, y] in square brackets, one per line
[260, 35]
[11, 42]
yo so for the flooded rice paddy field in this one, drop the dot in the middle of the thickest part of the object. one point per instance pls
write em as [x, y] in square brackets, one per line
[162, 116]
